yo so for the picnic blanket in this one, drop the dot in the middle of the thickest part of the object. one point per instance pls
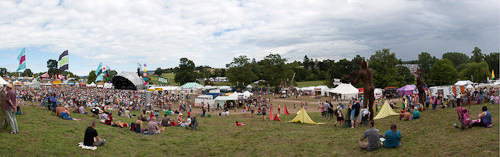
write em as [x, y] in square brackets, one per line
[87, 147]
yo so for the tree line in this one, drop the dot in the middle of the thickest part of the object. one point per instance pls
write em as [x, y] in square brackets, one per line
[274, 70]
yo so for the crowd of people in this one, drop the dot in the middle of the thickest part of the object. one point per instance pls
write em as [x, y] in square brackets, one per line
[65, 101]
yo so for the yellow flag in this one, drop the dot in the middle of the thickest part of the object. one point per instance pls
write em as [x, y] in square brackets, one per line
[492, 74]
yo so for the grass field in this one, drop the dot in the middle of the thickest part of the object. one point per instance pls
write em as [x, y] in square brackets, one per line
[169, 76]
[310, 83]
[42, 134]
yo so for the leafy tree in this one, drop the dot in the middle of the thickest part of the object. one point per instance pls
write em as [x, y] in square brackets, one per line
[239, 72]
[3, 71]
[185, 72]
[492, 60]
[443, 72]
[477, 56]
[404, 76]
[52, 65]
[110, 74]
[306, 62]
[383, 63]
[425, 62]
[275, 70]
[91, 78]
[27, 73]
[477, 72]
[456, 58]
[158, 71]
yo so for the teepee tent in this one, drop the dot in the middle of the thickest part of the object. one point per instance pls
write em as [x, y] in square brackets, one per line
[303, 117]
[385, 111]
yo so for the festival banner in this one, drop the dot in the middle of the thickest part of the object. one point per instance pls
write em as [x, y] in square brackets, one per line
[22, 61]
[64, 61]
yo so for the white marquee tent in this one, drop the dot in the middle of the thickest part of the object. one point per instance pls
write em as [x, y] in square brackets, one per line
[463, 83]
[3, 82]
[345, 90]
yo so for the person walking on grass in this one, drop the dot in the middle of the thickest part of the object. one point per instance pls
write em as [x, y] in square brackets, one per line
[10, 109]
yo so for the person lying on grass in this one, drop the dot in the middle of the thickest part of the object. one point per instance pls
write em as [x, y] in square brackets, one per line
[65, 115]
[239, 124]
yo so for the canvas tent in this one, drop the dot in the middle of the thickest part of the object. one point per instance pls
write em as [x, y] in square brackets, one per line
[385, 111]
[191, 85]
[463, 83]
[303, 117]
[407, 90]
[34, 84]
[345, 90]
[221, 100]
[3, 82]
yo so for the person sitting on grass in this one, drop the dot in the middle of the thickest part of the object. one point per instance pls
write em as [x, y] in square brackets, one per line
[91, 138]
[392, 137]
[483, 119]
[165, 121]
[172, 122]
[103, 117]
[373, 136]
[139, 123]
[188, 121]
[82, 110]
[416, 114]
[410, 115]
[153, 126]
[65, 115]
[239, 124]
[179, 119]
[109, 120]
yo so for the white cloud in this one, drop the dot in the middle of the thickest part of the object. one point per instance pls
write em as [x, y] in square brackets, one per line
[212, 32]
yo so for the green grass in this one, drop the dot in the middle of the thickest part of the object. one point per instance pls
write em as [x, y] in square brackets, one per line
[169, 76]
[42, 134]
[310, 83]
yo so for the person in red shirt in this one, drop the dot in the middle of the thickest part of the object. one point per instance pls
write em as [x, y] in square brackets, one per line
[239, 124]
[109, 120]
[172, 121]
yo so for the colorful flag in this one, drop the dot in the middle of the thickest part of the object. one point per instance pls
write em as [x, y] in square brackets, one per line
[99, 73]
[63, 61]
[22, 61]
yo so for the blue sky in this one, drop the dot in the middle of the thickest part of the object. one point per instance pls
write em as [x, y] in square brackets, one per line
[122, 33]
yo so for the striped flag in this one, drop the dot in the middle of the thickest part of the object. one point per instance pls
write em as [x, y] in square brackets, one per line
[22, 61]
[64, 61]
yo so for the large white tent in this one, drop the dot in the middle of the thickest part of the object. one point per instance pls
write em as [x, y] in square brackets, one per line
[463, 83]
[221, 100]
[345, 90]
[3, 82]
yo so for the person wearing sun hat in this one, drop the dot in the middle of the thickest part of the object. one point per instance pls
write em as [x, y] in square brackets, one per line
[10, 109]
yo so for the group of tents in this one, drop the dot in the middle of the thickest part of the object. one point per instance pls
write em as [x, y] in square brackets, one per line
[303, 117]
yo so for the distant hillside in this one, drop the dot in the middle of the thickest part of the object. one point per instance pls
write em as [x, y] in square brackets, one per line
[169, 76]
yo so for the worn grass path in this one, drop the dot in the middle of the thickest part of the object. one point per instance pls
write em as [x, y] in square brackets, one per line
[43, 134]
